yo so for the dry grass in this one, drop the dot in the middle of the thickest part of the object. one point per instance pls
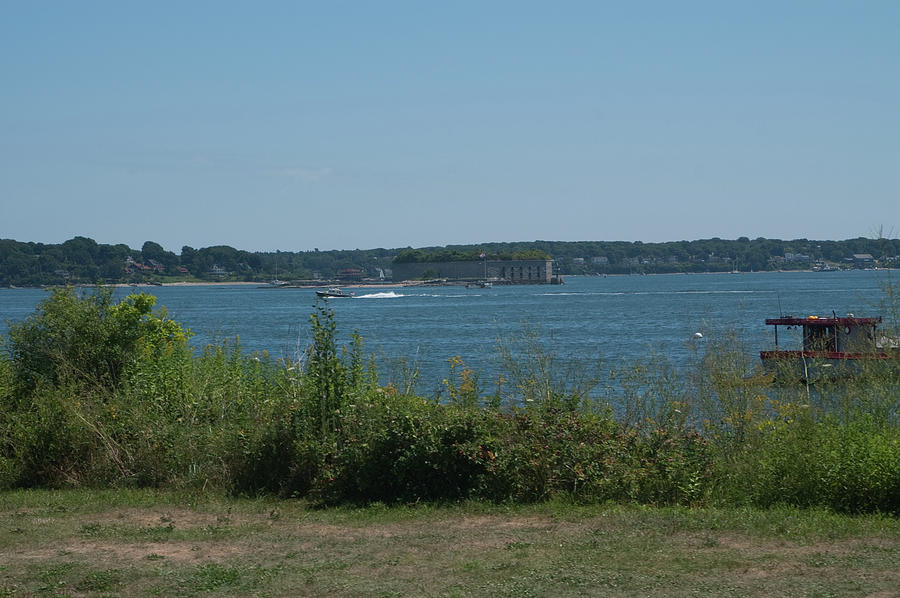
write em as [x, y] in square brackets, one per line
[98, 544]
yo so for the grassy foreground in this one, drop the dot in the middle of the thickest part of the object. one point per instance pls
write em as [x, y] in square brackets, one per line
[147, 543]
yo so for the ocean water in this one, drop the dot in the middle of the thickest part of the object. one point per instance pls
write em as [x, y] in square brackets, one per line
[611, 319]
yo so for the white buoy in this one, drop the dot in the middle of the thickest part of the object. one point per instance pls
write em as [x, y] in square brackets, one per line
[698, 335]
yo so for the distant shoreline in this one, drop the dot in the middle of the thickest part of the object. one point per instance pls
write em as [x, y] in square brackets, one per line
[415, 283]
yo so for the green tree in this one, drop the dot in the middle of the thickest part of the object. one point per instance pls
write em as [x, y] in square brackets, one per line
[111, 260]
[154, 251]
[87, 338]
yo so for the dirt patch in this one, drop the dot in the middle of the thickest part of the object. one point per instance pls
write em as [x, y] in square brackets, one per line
[503, 523]
[745, 545]
[177, 516]
[465, 526]
[178, 551]
[128, 553]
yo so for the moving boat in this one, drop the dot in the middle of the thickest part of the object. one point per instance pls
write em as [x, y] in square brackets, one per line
[832, 347]
[333, 293]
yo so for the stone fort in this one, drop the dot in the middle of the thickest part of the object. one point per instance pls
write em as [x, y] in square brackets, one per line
[501, 271]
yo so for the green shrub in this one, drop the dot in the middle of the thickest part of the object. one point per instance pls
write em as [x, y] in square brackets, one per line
[87, 339]
[47, 444]
[397, 448]
[195, 416]
[849, 467]
[299, 412]
[592, 458]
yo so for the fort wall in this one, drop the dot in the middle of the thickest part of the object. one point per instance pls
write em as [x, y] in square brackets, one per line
[508, 271]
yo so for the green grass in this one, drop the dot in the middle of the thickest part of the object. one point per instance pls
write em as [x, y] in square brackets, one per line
[134, 543]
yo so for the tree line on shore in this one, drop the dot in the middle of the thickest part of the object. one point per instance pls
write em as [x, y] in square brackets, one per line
[84, 261]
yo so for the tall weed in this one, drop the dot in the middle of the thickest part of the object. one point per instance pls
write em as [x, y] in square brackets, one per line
[533, 374]
[846, 466]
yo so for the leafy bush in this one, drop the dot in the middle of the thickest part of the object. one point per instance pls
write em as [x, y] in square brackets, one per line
[852, 467]
[87, 339]
[591, 458]
[404, 449]
[60, 423]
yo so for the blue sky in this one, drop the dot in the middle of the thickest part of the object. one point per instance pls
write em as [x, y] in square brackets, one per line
[342, 125]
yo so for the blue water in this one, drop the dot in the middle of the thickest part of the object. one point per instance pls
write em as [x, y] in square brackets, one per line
[613, 318]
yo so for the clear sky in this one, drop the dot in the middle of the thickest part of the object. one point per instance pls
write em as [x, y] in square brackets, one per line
[340, 125]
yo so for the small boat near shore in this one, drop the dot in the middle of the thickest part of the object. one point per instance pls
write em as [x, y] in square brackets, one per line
[831, 347]
[333, 293]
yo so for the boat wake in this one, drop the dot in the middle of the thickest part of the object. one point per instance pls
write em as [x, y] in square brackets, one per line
[578, 294]
[442, 296]
[385, 295]
[635, 293]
